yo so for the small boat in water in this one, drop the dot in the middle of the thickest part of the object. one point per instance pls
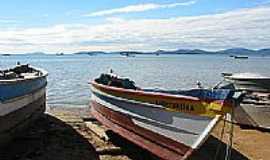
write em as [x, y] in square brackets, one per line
[6, 55]
[240, 57]
[22, 99]
[170, 124]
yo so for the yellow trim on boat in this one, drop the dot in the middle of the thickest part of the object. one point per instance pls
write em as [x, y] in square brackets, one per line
[183, 104]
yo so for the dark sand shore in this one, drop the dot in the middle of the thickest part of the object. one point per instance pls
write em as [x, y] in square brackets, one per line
[61, 134]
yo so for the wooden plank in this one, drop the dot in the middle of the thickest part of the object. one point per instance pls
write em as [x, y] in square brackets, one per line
[112, 150]
[98, 130]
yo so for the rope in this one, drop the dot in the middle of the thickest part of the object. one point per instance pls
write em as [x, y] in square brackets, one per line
[229, 146]
[218, 84]
[221, 137]
[228, 153]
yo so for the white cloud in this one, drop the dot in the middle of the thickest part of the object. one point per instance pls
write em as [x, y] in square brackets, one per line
[138, 8]
[241, 28]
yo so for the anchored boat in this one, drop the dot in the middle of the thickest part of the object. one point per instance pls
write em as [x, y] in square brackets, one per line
[170, 124]
[22, 99]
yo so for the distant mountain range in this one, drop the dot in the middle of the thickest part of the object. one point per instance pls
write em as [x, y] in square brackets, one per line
[244, 51]
[232, 51]
[36, 53]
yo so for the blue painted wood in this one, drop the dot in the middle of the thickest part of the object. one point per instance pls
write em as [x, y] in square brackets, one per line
[20, 88]
[203, 94]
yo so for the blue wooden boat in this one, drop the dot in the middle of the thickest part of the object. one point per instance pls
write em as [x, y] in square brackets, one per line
[22, 99]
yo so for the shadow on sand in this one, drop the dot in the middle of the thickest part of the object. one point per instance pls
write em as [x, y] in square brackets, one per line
[206, 152]
[130, 149]
[49, 139]
[52, 139]
[209, 148]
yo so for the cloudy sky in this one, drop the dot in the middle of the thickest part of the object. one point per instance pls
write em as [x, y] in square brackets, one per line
[143, 25]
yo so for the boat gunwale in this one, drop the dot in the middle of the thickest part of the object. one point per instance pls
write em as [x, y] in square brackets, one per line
[94, 91]
[236, 77]
[247, 78]
[43, 72]
[142, 92]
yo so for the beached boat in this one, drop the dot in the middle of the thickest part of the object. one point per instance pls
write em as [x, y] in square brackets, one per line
[170, 124]
[254, 110]
[22, 99]
[248, 81]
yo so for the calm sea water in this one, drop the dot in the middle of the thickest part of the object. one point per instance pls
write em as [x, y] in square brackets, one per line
[69, 74]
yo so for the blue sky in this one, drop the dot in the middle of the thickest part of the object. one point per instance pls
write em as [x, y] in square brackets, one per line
[74, 25]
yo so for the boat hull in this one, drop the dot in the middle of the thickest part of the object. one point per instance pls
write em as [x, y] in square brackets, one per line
[250, 84]
[253, 115]
[18, 113]
[20, 88]
[119, 124]
[253, 85]
[167, 134]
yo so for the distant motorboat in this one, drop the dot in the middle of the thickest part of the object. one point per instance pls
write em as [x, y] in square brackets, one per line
[128, 54]
[6, 54]
[239, 57]
[170, 124]
[248, 81]
[60, 54]
[22, 99]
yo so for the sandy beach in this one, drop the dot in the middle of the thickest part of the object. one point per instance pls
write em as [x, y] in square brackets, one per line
[61, 134]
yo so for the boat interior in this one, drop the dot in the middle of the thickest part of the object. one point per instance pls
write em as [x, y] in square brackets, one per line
[20, 71]
[115, 81]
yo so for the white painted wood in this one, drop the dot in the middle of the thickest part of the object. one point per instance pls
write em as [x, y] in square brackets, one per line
[191, 130]
[19, 102]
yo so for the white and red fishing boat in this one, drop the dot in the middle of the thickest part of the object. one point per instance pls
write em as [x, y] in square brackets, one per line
[170, 124]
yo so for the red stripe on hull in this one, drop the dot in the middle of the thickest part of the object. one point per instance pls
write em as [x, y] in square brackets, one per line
[159, 145]
[129, 92]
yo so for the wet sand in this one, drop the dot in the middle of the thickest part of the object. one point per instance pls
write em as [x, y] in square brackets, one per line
[61, 134]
